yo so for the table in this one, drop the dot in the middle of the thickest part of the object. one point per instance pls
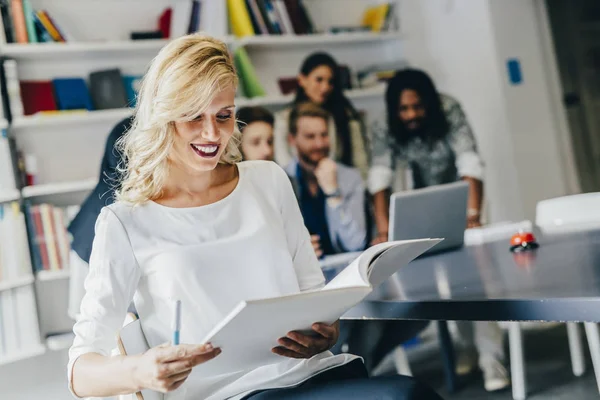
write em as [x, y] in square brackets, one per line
[560, 281]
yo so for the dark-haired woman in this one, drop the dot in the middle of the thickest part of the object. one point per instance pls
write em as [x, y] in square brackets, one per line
[319, 82]
[428, 133]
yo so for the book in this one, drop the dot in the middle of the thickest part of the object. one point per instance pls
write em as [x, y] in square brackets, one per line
[194, 22]
[164, 22]
[258, 21]
[132, 85]
[72, 94]
[19, 21]
[37, 96]
[107, 89]
[250, 84]
[30, 21]
[295, 312]
[239, 18]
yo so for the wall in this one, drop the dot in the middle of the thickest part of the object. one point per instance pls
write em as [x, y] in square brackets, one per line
[454, 42]
[531, 106]
[464, 45]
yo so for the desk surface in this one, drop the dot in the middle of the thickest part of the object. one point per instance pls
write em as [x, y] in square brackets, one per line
[560, 281]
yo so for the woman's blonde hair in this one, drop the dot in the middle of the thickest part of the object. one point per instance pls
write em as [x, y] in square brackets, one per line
[180, 84]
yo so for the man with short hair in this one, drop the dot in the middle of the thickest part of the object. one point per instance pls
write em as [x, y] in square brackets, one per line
[332, 202]
[331, 195]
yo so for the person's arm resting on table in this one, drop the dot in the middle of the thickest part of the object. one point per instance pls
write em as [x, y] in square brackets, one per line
[110, 285]
[379, 181]
[308, 272]
[468, 162]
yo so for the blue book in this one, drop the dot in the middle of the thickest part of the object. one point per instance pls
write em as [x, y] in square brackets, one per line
[72, 94]
[132, 87]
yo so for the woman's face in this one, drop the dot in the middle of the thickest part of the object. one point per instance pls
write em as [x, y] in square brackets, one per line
[200, 144]
[257, 141]
[318, 84]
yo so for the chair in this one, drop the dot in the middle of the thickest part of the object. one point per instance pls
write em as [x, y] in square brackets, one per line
[575, 213]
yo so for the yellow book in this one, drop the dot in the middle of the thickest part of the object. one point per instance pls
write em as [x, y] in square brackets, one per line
[239, 18]
[49, 26]
[374, 17]
[49, 236]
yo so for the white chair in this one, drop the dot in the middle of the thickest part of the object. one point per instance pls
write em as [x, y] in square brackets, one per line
[575, 213]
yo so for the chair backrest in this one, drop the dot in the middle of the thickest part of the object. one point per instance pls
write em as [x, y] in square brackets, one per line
[497, 231]
[578, 212]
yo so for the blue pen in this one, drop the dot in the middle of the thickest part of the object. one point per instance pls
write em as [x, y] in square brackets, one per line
[176, 322]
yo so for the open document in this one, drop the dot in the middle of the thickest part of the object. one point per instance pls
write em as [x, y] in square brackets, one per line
[252, 329]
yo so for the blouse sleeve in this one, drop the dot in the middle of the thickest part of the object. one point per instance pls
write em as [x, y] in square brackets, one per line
[383, 162]
[462, 141]
[306, 264]
[110, 285]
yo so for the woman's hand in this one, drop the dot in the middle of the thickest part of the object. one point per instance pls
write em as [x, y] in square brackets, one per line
[165, 368]
[298, 345]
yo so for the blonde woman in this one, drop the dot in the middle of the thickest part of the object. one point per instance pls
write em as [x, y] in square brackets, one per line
[191, 221]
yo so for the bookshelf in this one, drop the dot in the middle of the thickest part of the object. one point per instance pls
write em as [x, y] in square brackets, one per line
[69, 146]
[43, 276]
[44, 121]
[15, 283]
[9, 195]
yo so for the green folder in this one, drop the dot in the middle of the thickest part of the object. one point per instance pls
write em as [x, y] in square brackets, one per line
[248, 80]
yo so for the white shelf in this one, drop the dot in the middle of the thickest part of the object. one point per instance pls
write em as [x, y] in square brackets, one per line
[34, 51]
[22, 355]
[59, 188]
[45, 275]
[9, 195]
[15, 283]
[320, 39]
[45, 120]
[60, 342]
[354, 94]
[115, 115]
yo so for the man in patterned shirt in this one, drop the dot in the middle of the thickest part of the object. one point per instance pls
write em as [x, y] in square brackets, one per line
[428, 134]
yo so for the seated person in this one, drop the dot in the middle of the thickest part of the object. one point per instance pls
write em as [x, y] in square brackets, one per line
[331, 195]
[256, 126]
[331, 198]
[82, 226]
[194, 223]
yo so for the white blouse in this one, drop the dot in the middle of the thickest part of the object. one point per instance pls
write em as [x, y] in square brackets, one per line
[251, 244]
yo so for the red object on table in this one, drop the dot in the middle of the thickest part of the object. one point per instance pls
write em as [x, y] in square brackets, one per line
[523, 241]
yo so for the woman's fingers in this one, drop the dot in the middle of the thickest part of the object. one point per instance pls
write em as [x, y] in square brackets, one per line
[174, 353]
[282, 351]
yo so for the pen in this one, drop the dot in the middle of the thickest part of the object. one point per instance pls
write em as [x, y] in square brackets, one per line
[176, 322]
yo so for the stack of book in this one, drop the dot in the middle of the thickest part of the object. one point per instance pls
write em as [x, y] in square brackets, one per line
[20, 23]
[48, 237]
[108, 89]
[268, 17]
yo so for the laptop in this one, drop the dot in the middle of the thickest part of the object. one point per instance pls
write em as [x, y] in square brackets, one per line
[435, 212]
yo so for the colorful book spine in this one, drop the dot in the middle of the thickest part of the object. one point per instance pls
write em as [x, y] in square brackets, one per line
[19, 21]
[49, 26]
[239, 19]
[30, 21]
